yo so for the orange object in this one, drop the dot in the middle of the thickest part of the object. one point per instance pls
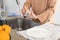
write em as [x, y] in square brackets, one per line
[0, 28]
[7, 28]
[5, 32]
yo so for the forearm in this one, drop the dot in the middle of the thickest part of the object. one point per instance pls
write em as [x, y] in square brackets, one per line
[46, 15]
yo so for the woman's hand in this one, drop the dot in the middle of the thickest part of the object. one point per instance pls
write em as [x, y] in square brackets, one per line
[32, 16]
[23, 11]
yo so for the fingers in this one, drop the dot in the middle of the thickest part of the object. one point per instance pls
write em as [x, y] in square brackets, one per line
[31, 17]
[34, 15]
[23, 11]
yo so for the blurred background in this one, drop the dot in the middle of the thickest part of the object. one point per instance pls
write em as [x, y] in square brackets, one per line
[57, 13]
[11, 6]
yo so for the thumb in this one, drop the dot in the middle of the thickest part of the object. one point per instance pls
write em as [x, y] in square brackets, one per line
[23, 11]
[34, 14]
